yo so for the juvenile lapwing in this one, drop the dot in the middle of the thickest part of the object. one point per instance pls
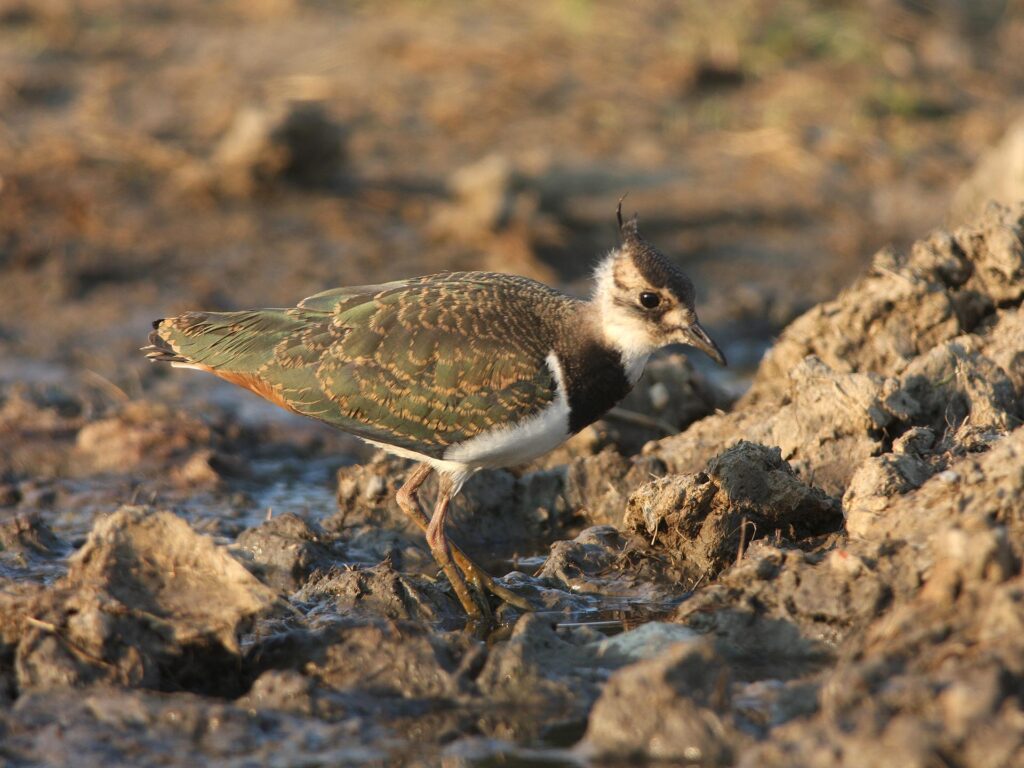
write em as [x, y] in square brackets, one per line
[461, 371]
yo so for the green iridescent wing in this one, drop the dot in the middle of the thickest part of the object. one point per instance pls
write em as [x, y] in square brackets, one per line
[420, 364]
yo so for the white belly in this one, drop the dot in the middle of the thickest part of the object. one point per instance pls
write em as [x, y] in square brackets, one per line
[522, 442]
[505, 446]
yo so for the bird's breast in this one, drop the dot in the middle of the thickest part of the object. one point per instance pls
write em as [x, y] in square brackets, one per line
[595, 379]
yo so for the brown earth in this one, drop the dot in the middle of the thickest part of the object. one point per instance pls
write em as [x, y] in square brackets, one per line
[814, 558]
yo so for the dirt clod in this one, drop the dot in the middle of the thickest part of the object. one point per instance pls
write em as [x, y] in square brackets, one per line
[669, 708]
[285, 550]
[295, 142]
[147, 603]
[745, 493]
[380, 591]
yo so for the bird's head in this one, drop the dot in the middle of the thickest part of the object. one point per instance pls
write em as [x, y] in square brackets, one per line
[645, 302]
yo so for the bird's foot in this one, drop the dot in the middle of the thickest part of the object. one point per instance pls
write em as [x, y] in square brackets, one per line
[483, 582]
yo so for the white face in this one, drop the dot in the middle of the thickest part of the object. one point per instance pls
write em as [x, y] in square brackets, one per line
[638, 318]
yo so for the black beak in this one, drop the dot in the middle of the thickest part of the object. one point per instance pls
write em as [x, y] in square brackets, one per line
[697, 337]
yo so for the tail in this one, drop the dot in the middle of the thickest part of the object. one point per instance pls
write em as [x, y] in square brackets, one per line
[230, 341]
[159, 350]
[223, 342]
[239, 347]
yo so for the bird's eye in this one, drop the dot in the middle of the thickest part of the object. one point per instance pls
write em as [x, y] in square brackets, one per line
[649, 300]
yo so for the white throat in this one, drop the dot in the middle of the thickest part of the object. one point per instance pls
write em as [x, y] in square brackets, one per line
[621, 331]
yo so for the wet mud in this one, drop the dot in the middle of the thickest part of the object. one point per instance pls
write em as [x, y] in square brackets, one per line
[839, 576]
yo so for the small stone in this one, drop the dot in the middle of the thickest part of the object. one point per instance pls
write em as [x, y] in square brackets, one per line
[845, 561]
[644, 642]
[659, 396]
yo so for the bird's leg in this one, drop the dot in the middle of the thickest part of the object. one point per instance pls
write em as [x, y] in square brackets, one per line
[409, 502]
[408, 499]
[438, 542]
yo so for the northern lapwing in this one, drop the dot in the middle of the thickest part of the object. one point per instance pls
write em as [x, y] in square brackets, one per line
[460, 371]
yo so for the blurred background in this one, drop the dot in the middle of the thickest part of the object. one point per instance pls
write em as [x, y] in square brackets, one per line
[161, 156]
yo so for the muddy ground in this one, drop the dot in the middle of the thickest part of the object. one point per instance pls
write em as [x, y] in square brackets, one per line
[813, 558]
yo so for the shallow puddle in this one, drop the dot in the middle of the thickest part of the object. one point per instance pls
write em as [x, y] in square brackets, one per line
[302, 486]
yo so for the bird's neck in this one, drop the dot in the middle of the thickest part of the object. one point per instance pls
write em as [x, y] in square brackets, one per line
[615, 328]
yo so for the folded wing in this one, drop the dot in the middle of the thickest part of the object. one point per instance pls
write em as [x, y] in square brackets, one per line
[420, 364]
